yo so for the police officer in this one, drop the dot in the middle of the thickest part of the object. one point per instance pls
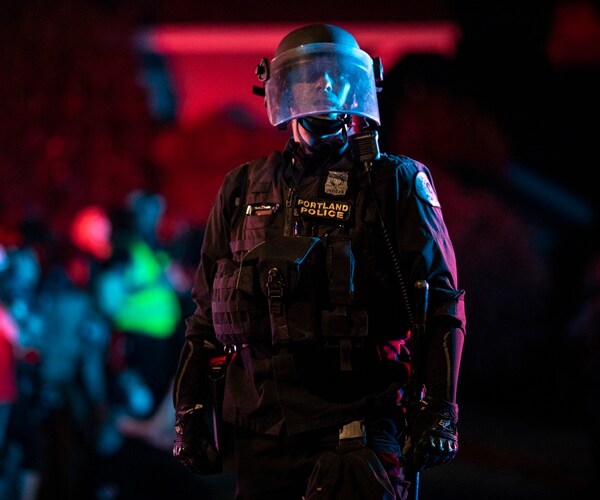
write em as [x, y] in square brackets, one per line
[306, 282]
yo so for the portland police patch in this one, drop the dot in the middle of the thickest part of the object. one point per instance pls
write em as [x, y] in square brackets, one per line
[425, 190]
[327, 209]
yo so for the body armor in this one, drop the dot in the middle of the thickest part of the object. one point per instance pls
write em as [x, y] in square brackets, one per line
[295, 251]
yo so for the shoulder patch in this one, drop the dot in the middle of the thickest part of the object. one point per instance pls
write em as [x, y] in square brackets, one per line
[425, 190]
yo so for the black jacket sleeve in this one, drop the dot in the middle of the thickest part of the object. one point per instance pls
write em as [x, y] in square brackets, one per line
[200, 344]
[427, 251]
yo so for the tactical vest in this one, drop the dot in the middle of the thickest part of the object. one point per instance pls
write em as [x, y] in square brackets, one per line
[292, 275]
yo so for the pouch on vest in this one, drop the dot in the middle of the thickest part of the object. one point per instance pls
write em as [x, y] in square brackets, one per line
[293, 279]
[238, 311]
[340, 320]
[342, 324]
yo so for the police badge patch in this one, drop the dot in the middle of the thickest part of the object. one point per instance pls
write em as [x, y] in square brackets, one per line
[336, 183]
[425, 190]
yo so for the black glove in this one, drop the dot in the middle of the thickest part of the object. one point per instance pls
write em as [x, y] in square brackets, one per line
[433, 435]
[194, 445]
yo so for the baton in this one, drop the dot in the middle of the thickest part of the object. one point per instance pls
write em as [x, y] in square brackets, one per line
[416, 384]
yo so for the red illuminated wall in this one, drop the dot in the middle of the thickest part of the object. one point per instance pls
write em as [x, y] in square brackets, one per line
[213, 65]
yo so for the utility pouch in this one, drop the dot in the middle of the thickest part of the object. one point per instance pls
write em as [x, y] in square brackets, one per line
[238, 311]
[342, 325]
[292, 274]
[341, 320]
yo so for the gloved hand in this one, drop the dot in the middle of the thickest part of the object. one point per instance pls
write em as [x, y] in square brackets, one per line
[433, 435]
[194, 444]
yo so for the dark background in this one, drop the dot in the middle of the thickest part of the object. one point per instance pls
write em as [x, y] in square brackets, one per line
[508, 127]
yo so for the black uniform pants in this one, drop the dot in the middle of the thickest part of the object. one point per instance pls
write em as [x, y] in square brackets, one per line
[313, 465]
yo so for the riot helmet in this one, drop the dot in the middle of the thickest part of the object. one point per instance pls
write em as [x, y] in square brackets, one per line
[320, 71]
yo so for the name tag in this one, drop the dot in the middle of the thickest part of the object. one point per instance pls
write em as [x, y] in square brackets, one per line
[262, 208]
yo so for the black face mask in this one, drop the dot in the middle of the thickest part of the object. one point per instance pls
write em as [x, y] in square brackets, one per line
[321, 127]
[329, 136]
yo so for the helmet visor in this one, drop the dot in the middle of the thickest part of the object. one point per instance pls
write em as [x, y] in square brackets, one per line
[321, 79]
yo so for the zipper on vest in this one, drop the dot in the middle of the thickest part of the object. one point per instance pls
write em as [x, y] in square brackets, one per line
[289, 212]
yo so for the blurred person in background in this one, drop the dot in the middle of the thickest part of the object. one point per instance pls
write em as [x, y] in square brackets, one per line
[20, 276]
[73, 379]
[9, 339]
[135, 293]
[9, 333]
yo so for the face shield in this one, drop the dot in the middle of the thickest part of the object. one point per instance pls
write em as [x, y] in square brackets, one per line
[326, 79]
